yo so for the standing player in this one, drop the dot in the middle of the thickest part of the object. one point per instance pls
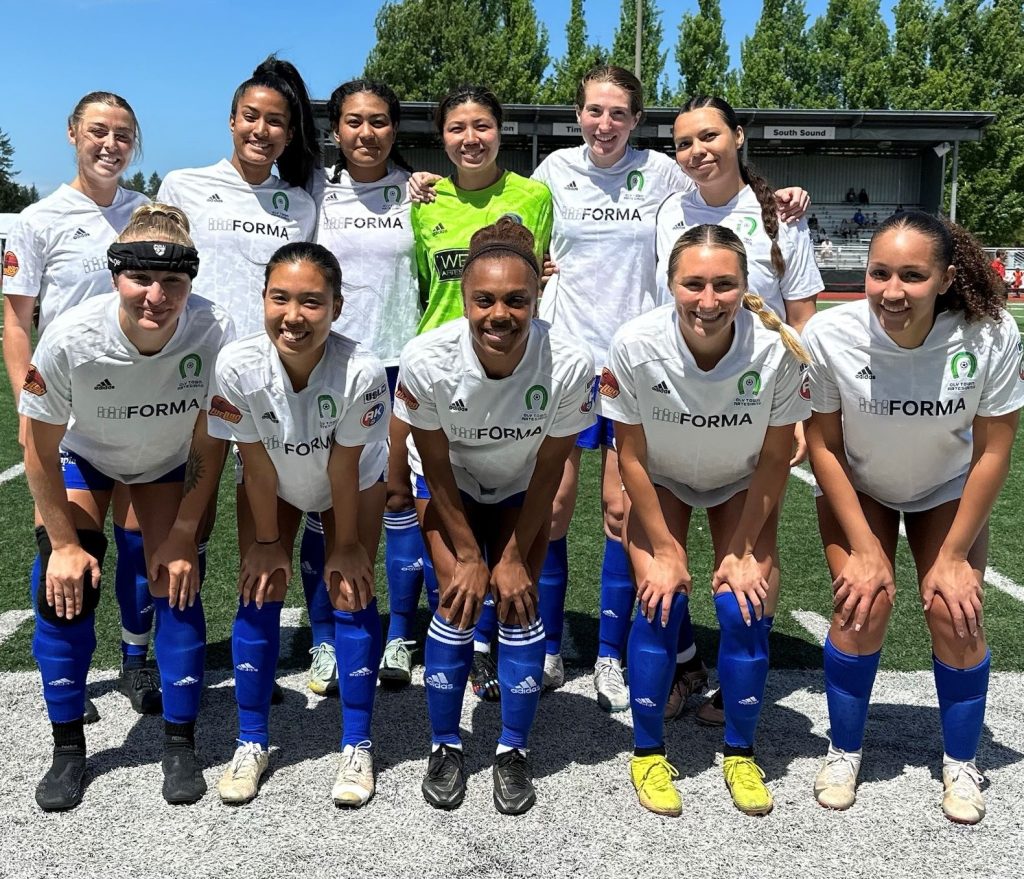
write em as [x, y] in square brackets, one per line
[57, 258]
[916, 394]
[495, 402]
[477, 193]
[309, 411]
[155, 346]
[364, 221]
[704, 393]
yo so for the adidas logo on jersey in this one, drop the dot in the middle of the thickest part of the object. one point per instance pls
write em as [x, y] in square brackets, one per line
[680, 225]
[458, 406]
[186, 681]
[244, 666]
[81, 233]
[661, 388]
[644, 702]
[865, 373]
[611, 614]
[529, 685]
[439, 229]
[750, 700]
[215, 198]
[333, 196]
[571, 186]
[105, 385]
[60, 682]
[270, 416]
[360, 672]
[439, 682]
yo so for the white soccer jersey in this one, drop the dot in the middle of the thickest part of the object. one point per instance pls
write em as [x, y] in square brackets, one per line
[704, 430]
[366, 226]
[57, 250]
[345, 402]
[494, 426]
[907, 413]
[236, 229]
[603, 240]
[684, 210]
[129, 415]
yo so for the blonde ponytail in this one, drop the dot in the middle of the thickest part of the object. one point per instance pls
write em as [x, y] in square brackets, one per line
[771, 321]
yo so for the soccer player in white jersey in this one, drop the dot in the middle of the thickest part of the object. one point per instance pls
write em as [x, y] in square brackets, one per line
[780, 256]
[113, 395]
[916, 393]
[56, 258]
[364, 221]
[495, 401]
[606, 195]
[704, 393]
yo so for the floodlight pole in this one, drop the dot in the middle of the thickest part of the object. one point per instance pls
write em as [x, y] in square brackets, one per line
[639, 39]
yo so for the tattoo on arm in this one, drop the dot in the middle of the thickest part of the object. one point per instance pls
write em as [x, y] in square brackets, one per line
[193, 470]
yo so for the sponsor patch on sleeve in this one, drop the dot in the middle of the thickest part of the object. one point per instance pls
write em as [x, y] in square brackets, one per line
[609, 384]
[805, 381]
[221, 408]
[34, 383]
[402, 394]
[374, 414]
[11, 265]
[590, 395]
[376, 393]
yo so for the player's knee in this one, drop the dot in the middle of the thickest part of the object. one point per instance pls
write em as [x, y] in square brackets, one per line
[94, 543]
[399, 499]
[737, 636]
[613, 519]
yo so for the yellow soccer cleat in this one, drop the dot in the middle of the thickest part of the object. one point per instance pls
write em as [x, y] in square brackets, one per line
[652, 777]
[744, 779]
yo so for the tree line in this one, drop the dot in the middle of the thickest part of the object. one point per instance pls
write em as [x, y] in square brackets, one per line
[939, 55]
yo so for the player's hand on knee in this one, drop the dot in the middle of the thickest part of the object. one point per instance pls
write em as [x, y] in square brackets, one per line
[666, 575]
[348, 573]
[865, 577]
[516, 592]
[177, 559]
[66, 573]
[742, 576]
[259, 565]
[955, 582]
[464, 593]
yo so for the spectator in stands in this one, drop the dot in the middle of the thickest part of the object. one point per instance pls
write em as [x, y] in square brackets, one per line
[898, 211]
[859, 218]
[851, 195]
[862, 196]
[812, 223]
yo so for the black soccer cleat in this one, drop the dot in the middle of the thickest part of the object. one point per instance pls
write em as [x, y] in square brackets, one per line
[183, 776]
[62, 786]
[483, 677]
[142, 687]
[444, 785]
[514, 793]
[92, 714]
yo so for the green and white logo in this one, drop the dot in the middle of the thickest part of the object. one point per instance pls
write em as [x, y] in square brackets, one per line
[963, 364]
[749, 384]
[190, 366]
[280, 201]
[634, 180]
[327, 406]
[748, 226]
[537, 398]
[392, 195]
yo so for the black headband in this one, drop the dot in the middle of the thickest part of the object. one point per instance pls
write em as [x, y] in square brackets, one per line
[157, 256]
[508, 247]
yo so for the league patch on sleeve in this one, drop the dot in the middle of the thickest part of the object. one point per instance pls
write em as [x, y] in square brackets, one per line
[402, 394]
[374, 414]
[609, 384]
[34, 383]
[590, 396]
[805, 381]
[11, 265]
[221, 408]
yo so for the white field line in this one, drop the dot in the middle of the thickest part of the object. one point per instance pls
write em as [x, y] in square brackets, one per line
[814, 623]
[10, 620]
[12, 473]
[992, 576]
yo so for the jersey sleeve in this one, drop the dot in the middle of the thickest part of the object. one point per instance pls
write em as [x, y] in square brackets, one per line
[542, 173]
[230, 416]
[422, 258]
[802, 277]
[1004, 383]
[367, 416]
[618, 387]
[575, 411]
[824, 389]
[544, 225]
[677, 180]
[24, 260]
[46, 393]
[414, 397]
[790, 403]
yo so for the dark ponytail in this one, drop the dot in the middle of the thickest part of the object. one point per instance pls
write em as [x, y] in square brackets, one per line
[382, 91]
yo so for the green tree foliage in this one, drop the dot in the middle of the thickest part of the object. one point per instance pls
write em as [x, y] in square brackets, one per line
[777, 68]
[652, 59]
[153, 184]
[424, 47]
[910, 44]
[702, 52]
[13, 196]
[580, 56]
[851, 56]
[136, 182]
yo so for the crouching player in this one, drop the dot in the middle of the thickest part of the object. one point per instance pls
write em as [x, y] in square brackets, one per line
[495, 401]
[113, 396]
[704, 393]
[916, 393]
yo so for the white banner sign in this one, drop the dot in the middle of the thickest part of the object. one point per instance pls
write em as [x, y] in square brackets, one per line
[799, 132]
[566, 128]
[510, 128]
[665, 131]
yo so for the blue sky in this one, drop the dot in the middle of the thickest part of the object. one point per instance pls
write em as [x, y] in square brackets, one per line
[178, 62]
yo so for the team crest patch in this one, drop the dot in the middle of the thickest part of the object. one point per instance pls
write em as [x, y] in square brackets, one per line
[374, 414]
[590, 396]
[34, 383]
[221, 408]
[11, 265]
[402, 394]
[805, 382]
[609, 384]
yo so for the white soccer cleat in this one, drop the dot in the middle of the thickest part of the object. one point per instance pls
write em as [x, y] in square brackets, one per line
[241, 780]
[554, 671]
[396, 663]
[835, 785]
[323, 670]
[962, 801]
[353, 785]
[612, 693]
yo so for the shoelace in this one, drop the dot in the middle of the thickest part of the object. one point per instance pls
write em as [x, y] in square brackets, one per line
[323, 659]
[967, 779]
[840, 767]
[396, 646]
[145, 679]
[659, 776]
[605, 673]
[357, 758]
[436, 770]
[745, 769]
[515, 768]
[247, 752]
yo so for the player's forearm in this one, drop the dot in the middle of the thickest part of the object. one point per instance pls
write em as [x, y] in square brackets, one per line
[644, 504]
[444, 495]
[343, 474]
[260, 479]
[17, 357]
[984, 482]
[540, 495]
[46, 482]
[202, 478]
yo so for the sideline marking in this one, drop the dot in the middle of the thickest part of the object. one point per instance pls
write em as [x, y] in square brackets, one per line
[813, 622]
[10, 620]
[12, 473]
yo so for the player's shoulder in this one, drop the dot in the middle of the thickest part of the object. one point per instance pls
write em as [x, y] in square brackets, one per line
[644, 338]
[846, 322]
[185, 177]
[246, 354]
[527, 186]
[566, 350]
[83, 329]
[440, 346]
[40, 215]
[206, 314]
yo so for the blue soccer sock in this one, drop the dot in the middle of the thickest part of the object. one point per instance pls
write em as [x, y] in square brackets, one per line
[617, 598]
[358, 647]
[430, 581]
[403, 560]
[551, 589]
[962, 693]
[34, 577]
[486, 626]
[255, 644]
[312, 551]
[448, 656]
[180, 653]
[742, 669]
[652, 664]
[63, 652]
[848, 683]
[520, 676]
[131, 584]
